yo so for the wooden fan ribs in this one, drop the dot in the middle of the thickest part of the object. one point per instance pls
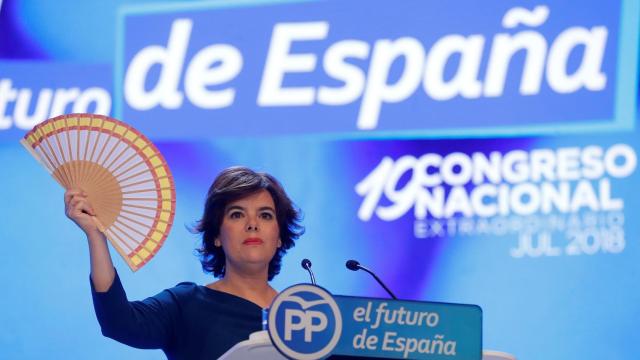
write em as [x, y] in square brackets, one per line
[59, 149]
[69, 152]
[55, 162]
[126, 178]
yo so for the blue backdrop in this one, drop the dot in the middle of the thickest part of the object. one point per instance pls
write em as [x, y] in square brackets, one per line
[470, 152]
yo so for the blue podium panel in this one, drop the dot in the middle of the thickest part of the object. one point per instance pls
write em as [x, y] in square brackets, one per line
[306, 322]
[409, 329]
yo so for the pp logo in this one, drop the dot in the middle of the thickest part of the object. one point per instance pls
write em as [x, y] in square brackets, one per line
[305, 322]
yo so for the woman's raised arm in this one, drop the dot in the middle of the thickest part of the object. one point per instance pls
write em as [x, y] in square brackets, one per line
[78, 209]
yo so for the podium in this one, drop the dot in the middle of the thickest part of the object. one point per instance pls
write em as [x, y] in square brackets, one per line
[496, 355]
[259, 346]
[307, 322]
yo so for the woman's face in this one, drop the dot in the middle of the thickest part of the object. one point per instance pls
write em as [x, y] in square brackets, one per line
[249, 234]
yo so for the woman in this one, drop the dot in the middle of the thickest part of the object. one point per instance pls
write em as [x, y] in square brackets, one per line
[248, 224]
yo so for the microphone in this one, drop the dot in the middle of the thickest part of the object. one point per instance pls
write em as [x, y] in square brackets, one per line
[353, 265]
[306, 264]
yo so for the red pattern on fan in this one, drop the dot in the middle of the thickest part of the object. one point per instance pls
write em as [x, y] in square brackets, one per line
[126, 178]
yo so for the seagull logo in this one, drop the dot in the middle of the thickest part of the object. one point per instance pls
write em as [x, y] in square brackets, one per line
[304, 304]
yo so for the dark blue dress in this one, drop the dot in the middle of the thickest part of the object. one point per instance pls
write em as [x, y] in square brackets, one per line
[188, 321]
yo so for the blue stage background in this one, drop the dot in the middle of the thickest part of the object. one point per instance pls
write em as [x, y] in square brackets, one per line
[572, 295]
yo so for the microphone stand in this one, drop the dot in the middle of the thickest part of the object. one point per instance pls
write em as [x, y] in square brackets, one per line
[355, 266]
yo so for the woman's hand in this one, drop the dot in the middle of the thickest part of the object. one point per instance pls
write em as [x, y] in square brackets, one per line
[78, 209]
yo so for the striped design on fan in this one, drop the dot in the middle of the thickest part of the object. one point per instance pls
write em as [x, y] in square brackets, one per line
[127, 180]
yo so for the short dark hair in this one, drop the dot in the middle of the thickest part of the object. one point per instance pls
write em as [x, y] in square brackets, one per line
[232, 184]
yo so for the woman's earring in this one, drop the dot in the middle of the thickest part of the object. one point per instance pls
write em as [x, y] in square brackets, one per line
[216, 242]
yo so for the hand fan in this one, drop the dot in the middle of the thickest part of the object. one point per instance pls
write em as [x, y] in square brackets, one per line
[127, 180]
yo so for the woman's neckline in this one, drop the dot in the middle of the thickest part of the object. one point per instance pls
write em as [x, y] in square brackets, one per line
[231, 295]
